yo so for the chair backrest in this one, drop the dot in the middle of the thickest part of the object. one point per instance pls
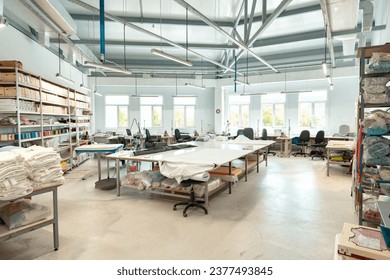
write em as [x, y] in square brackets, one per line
[147, 135]
[240, 132]
[248, 132]
[320, 137]
[304, 136]
[264, 134]
[343, 129]
[128, 131]
[177, 134]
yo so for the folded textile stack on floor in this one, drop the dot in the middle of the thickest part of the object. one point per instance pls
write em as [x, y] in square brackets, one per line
[43, 166]
[13, 177]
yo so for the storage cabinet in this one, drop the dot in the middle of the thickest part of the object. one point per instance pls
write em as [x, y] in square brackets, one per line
[373, 146]
[40, 112]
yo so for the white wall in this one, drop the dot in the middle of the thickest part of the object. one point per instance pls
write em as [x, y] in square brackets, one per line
[35, 58]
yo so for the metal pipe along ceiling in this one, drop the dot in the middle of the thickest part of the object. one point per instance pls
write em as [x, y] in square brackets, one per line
[102, 33]
[135, 27]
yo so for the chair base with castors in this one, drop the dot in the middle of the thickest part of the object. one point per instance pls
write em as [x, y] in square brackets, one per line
[191, 203]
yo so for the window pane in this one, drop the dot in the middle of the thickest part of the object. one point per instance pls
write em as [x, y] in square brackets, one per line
[238, 99]
[123, 120]
[279, 114]
[151, 100]
[313, 96]
[273, 98]
[157, 116]
[111, 116]
[305, 114]
[190, 116]
[146, 115]
[234, 117]
[117, 100]
[184, 100]
[267, 114]
[319, 114]
[245, 115]
[179, 116]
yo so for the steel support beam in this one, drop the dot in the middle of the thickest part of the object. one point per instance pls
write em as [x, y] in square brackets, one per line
[220, 30]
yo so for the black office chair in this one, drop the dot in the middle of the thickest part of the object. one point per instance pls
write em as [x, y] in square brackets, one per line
[248, 133]
[128, 131]
[239, 132]
[264, 136]
[192, 202]
[151, 141]
[303, 142]
[180, 138]
[319, 143]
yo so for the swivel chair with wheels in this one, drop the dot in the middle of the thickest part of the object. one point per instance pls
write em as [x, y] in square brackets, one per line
[264, 136]
[151, 141]
[319, 142]
[180, 138]
[192, 202]
[303, 142]
[248, 133]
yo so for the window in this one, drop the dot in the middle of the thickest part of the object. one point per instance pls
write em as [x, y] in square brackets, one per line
[116, 111]
[312, 109]
[184, 111]
[239, 111]
[273, 110]
[151, 111]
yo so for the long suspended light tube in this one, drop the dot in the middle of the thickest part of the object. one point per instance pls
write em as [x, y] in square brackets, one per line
[107, 67]
[325, 68]
[171, 57]
[194, 86]
[96, 93]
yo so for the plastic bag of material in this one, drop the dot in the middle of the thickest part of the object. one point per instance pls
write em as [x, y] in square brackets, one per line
[374, 124]
[384, 172]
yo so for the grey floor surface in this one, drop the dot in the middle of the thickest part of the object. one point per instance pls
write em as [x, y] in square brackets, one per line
[290, 210]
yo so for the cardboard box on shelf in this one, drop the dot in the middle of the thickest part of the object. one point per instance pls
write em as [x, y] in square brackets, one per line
[1, 91]
[11, 63]
[10, 91]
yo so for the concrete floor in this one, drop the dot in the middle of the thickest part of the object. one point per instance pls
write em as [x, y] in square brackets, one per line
[289, 211]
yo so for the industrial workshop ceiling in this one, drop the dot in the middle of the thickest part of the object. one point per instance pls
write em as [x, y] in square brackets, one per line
[215, 37]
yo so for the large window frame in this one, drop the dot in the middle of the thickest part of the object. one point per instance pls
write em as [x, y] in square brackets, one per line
[273, 110]
[116, 105]
[151, 111]
[239, 111]
[312, 109]
[184, 111]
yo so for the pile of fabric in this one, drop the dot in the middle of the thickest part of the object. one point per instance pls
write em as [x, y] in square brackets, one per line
[23, 170]
[376, 150]
[376, 90]
[43, 166]
[379, 63]
[377, 123]
[13, 176]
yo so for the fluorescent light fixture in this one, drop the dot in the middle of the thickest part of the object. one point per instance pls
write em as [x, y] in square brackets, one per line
[59, 76]
[3, 21]
[254, 94]
[107, 67]
[184, 96]
[325, 68]
[171, 57]
[139, 96]
[96, 93]
[195, 86]
[295, 91]
[85, 87]
[59, 15]
[331, 86]
[242, 83]
[329, 78]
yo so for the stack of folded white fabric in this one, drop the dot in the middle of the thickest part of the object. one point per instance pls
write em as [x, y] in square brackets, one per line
[13, 176]
[43, 166]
